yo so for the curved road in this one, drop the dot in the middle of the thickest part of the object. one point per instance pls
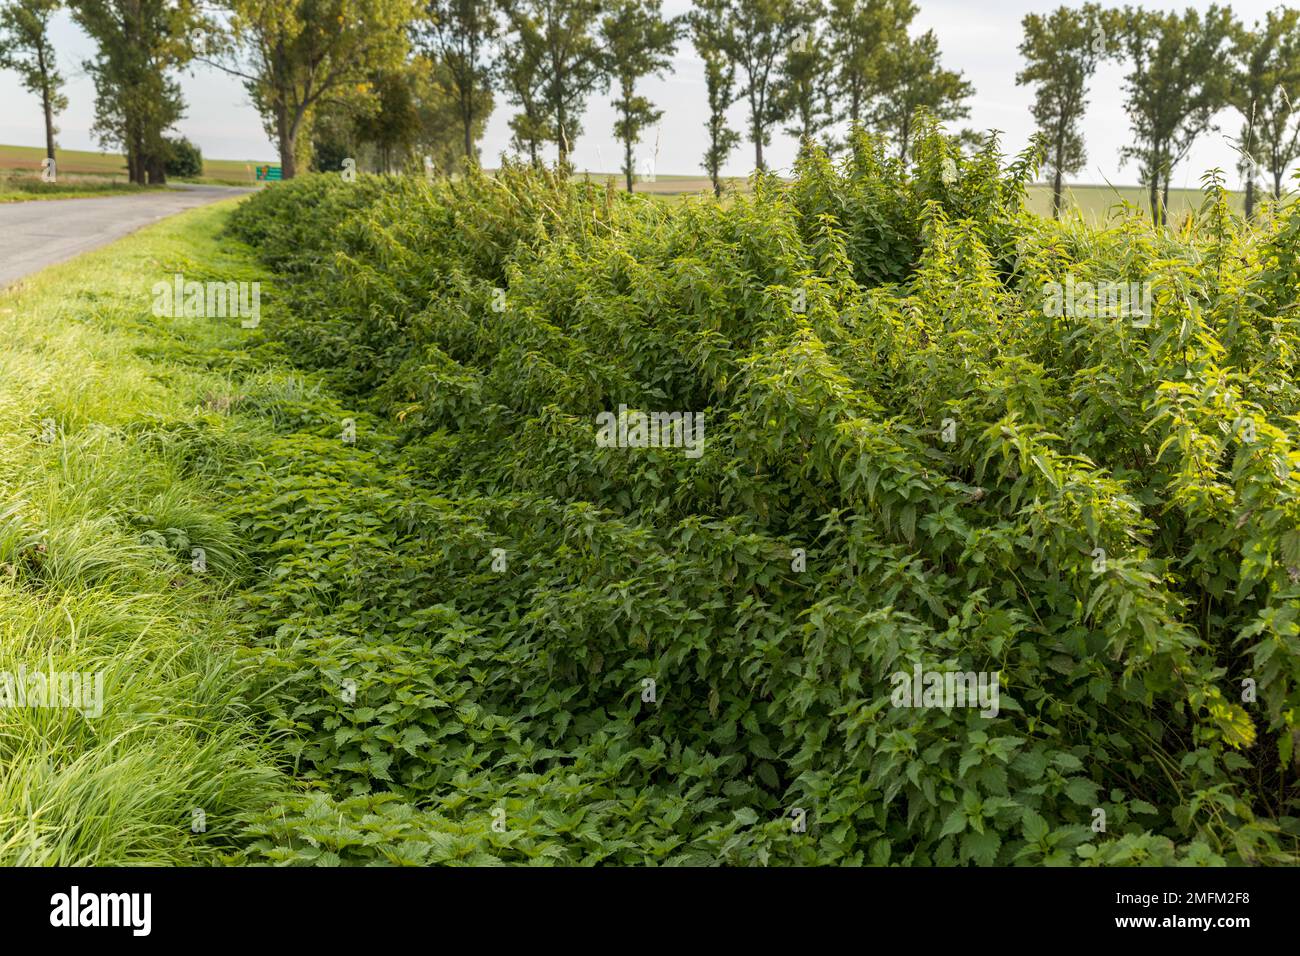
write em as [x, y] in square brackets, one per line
[40, 233]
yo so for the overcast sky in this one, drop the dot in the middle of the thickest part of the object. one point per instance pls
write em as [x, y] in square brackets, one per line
[977, 37]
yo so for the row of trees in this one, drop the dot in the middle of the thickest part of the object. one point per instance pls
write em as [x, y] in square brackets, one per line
[808, 66]
[140, 46]
[1184, 70]
[294, 56]
[799, 64]
[400, 74]
[408, 76]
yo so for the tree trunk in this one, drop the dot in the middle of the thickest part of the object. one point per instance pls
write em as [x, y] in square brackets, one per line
[49, 120]
[1056, 194]
[627, 161]
[46, 101]
[469, 139]
[1164, 204]
[286, 130]
[1277, 184]
[561, 120]
[135, 159]
[288, 162]
[756, 131]
[715, 167]
[286, 133]
[1155, 200]
[1250, 196]
[49, 125]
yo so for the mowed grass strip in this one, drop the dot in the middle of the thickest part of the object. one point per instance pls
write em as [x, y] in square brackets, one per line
[96, 399]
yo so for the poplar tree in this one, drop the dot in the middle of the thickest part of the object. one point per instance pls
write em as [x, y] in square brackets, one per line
[25, 48]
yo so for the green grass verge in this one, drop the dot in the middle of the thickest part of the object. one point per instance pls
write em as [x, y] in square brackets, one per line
[95, 392]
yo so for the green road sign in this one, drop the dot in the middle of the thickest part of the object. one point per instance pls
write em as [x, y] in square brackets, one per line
[268, 173]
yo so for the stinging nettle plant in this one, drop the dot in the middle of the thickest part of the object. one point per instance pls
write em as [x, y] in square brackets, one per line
[1073, 504]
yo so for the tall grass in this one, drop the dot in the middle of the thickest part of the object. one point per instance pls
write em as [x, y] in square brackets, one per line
[85, 388]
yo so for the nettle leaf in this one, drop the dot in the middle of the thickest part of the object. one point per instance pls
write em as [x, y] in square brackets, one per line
[1035, 827]
[745, 817]
[1067, 761]
[413, 738]
[981, 848]
[955, 822]
[1082, 791]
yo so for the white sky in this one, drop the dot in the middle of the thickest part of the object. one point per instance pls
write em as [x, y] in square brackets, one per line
[978, 37]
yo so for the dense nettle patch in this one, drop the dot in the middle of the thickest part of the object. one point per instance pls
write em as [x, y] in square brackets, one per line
[497, 637]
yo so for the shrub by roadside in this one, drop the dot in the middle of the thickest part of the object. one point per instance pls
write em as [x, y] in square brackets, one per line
[490, 637]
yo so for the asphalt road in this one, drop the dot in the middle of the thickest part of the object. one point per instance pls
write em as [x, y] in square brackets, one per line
[40, 233]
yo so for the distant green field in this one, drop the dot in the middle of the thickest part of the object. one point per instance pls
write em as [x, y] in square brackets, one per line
[23, 188]
[83, 172]
[1094, 202]
[26, 160]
